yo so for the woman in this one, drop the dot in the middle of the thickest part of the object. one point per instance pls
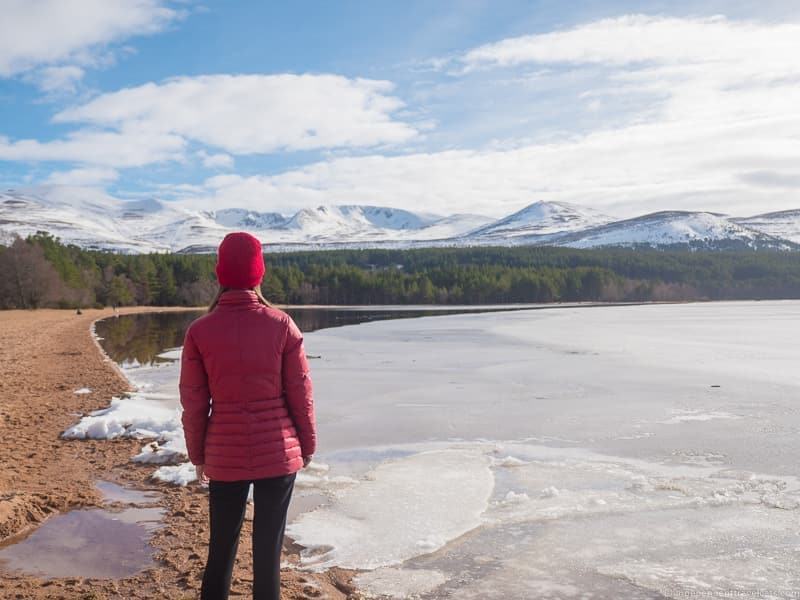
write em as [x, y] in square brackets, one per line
[248, 416]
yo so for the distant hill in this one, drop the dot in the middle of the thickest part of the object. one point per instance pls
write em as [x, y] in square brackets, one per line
[93, 220]
[669, 229]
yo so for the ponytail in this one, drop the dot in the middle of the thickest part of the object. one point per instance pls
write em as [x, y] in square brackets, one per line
[223, 289]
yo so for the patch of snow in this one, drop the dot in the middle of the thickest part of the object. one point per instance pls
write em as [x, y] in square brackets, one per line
[508, 461]
[170, 448]
[549, 492]
[129, 417]
[182, 474]
[172, 354]
[512, 497]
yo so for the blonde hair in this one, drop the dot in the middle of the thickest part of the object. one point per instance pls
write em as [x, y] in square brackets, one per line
[222, 290]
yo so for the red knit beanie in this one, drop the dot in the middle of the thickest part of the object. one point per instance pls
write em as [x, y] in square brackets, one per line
[240, 262]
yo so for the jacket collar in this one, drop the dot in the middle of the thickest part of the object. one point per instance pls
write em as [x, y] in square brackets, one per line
[238, 297]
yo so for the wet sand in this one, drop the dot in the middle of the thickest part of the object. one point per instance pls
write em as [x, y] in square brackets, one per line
[45, 355]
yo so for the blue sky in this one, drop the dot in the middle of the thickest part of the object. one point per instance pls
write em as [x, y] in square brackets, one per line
[459, 106]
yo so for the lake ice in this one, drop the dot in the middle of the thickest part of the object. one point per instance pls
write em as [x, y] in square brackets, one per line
[636, 451]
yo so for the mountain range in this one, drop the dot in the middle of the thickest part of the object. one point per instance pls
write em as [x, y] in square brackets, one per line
[95, 221]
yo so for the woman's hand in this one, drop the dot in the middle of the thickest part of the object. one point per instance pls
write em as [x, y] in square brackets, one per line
[306, 460]
[202, 478]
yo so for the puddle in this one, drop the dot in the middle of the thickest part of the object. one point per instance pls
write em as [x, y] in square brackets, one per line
[97, 543]
[113, 492]
[94, 543]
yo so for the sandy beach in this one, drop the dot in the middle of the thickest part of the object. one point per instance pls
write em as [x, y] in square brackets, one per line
[45, 355]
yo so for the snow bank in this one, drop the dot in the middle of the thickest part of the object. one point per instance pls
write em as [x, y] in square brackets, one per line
[141, 418]
[403, 508]
[169, 449]
[129, 417]
[182, 474]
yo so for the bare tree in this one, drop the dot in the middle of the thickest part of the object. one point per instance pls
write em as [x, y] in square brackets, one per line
[27, 279]
[197, 293]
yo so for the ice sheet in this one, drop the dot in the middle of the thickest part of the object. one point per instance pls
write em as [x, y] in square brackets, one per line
[401, 584]
[566, 522]
[633, 380]
[404, 508]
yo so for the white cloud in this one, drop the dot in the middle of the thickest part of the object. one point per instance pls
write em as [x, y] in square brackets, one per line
[245, 114]
[717, 129]
[668, 69]
[713, 126]
[215, 161]
[83, 177]
[60, 79]
[641, 39]
[126, 148]
[624, 172]
[46, 32]
[707, 102]
[704, 117]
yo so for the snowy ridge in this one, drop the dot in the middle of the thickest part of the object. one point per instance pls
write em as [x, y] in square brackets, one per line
[542, 220]
[93, 220]
[784, 224]
[699, 230]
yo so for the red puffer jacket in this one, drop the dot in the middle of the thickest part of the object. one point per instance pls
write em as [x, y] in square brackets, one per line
[245, 389]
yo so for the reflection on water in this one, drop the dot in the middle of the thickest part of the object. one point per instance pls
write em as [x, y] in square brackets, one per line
[142, 337]
[113, 492]
[92, 542]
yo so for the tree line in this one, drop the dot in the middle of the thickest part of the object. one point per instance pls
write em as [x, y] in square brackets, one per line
[40, 271]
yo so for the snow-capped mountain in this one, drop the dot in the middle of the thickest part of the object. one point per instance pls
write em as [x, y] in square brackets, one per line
[90, 221]
[698, 230]
[240, 218]
[354, 222]
[94, 220]
[784, 224]
[97, 221]
[539, 222]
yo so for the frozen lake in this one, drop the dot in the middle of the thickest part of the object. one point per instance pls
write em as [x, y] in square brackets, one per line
[612, 452]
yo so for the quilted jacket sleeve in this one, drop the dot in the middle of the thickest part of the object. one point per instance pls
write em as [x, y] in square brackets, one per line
[195, 399]
[297, 386]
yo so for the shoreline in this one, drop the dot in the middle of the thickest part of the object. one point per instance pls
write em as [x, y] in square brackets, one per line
[45, 355]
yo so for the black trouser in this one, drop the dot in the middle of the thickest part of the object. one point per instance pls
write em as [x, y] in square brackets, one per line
[227, 501]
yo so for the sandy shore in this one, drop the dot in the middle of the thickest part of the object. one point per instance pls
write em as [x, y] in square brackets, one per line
[45, 355]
